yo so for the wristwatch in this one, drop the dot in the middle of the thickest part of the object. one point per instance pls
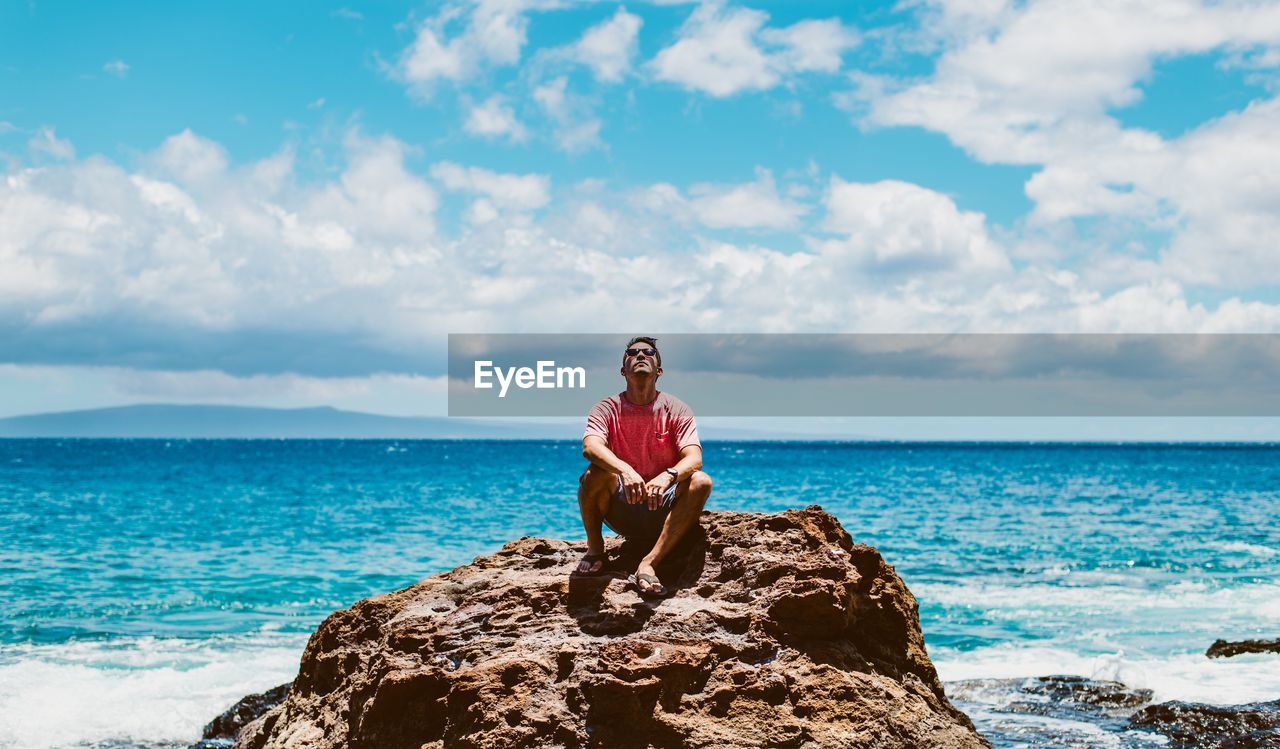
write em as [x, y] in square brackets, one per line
[675, 475]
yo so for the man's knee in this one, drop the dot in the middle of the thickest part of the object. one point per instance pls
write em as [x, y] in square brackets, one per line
[700, 485]
[596, 479]
[596, 474]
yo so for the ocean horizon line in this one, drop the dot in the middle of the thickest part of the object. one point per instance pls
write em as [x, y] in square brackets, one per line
[871, 442]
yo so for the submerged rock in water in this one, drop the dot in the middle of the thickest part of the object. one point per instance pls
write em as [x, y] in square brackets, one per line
[248, 709]
[1051, 695]
[1193, 726]
[781, 632]
[1225, 649]
[1063, 712]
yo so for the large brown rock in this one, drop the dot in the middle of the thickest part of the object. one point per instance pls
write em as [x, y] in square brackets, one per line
[781, 633]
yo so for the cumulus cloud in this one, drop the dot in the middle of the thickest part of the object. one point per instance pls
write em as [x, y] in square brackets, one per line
[898, 227]
[1037, 84]
[191, 263]
[609, 47]
[576, 128]
[753, 205]
[724, 50]
[190, 158]
[499, 192]
[46, 142]
[118, 68]
[462, 41]
[91, 246]
[494, 118]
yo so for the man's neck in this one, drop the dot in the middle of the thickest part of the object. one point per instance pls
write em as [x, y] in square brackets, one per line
[642, 392]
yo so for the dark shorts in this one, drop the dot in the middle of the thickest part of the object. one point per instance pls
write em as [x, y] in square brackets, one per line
[637, 520]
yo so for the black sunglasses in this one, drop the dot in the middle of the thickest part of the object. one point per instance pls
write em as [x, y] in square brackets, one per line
[646, 351]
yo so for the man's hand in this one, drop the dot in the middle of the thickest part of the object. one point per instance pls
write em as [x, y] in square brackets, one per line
[656, 486]
[633, 487]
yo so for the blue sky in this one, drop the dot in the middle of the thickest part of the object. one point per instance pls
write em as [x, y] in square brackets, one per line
[293, 203]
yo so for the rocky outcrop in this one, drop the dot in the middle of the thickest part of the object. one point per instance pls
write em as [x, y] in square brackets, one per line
[781, 632]
[222, 730]
[1194, 726]
[1225, 649]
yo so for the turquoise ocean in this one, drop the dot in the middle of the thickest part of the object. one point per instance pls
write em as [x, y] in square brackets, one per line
[148, 584]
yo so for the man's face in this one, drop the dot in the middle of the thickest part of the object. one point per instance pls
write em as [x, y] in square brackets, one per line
[640, 358]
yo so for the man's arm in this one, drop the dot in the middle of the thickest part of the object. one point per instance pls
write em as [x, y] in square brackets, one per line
[596, 450]
[690, 461]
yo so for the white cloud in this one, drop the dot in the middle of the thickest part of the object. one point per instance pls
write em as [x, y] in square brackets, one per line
[376, 195]
[316, 103]
[118, 68]
[47, 143]
[753, 205]
[811, 46]
[248, 270]
[1036, 84]
[219, 249]
[725, 50]
[518, 192]
[609, 47]
[717, 53]
[494, 118]
[576, 129]
[191, 158]
[990, 93]
[899, 227]
[492, 34]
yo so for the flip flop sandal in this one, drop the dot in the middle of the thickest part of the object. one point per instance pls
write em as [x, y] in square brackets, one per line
[650, 580]
[591, 559]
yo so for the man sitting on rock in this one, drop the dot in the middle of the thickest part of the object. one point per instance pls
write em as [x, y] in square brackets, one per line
[645, 479]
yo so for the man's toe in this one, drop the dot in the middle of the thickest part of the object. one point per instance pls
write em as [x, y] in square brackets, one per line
[590, 564]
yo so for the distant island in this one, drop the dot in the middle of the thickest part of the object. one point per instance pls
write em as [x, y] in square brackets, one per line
[160, 421]
[244, 422]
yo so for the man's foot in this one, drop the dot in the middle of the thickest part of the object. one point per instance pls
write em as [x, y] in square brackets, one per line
[647, 582]
[590, 564]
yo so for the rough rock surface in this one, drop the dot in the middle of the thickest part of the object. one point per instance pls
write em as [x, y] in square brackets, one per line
[1225, 649]
[781, 633]
[236, 717]
[1193, 726]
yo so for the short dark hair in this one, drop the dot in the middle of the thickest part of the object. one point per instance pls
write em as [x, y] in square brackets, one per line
[644, 339]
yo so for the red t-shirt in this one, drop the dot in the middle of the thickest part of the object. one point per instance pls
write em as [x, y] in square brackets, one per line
[648, 438]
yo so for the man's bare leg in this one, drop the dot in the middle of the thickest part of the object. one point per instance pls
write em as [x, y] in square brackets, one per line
[683, 516]
[594, 492]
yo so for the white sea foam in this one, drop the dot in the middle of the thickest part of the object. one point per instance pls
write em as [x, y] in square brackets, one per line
[1255, 605]
[1241, 547]
[144, 689]
[1030, 730]
[1190, 676]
